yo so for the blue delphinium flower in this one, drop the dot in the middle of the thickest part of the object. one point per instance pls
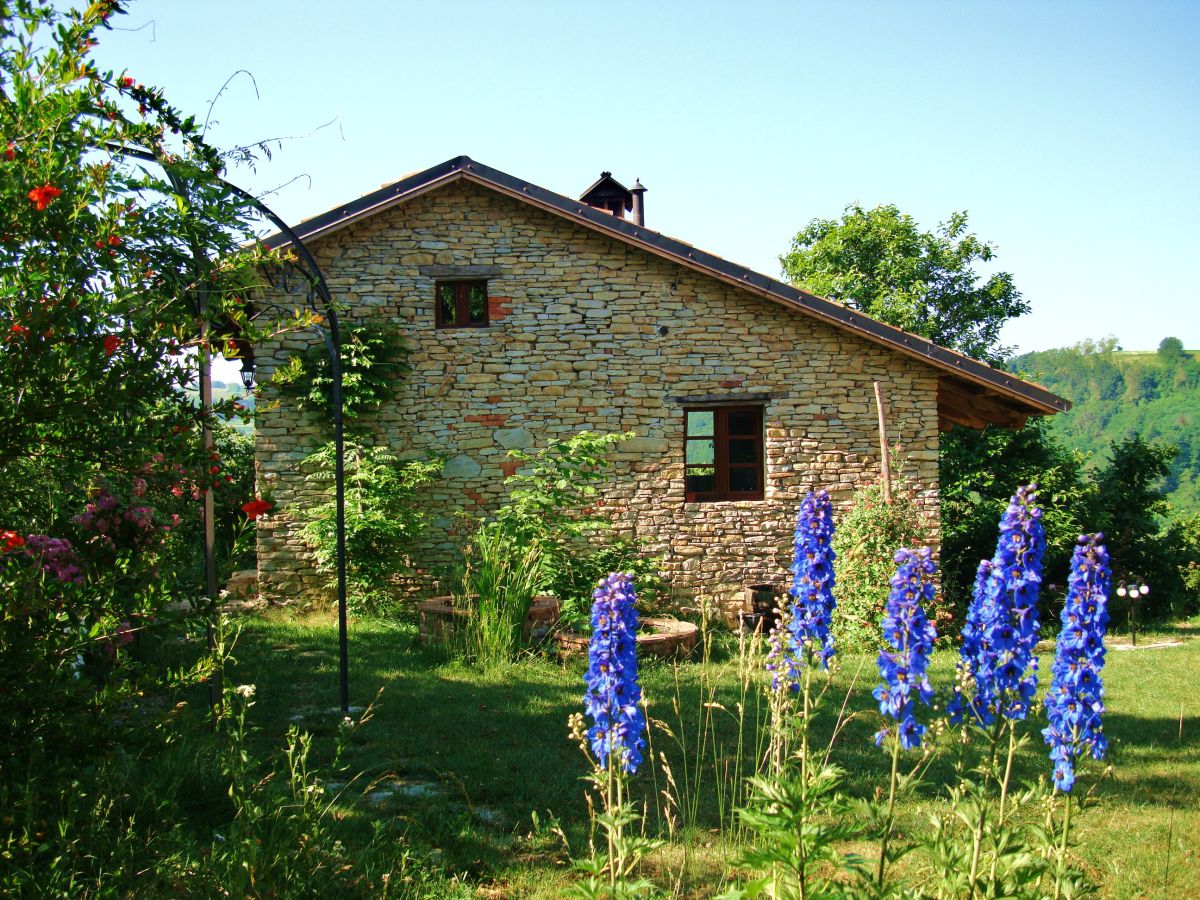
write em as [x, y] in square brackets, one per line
[1075, 701]
[1002, 625]
[908, 630]
[812, 578]
[613, 697]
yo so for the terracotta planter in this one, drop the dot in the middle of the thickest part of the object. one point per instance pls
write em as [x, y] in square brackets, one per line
[440, 617]
[666, 638]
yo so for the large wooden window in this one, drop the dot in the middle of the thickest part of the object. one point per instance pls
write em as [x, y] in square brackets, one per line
[723, 453]
[461, 304]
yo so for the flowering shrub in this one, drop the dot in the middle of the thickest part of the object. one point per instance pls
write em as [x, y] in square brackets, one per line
[55, 557]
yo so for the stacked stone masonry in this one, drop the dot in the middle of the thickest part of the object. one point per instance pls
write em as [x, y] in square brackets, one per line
[576, 342]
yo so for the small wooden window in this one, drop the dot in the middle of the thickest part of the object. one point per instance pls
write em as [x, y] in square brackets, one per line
[461, 304]
[723, 453]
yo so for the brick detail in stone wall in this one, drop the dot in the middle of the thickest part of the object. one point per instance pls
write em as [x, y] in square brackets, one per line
[499, 308]
[581, 344]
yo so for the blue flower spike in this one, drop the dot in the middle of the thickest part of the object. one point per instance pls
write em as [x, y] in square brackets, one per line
[910, 634]
[812, 579]
[614, 697]
[1002, 625]
[1075, 700]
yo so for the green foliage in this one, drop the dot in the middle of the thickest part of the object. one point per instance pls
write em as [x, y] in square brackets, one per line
[502, 577]
[1171, 348]
[1184, 539]
[880, 262]
[104, 263]
[797, 824]
[979, 470]
[1127, 510]
[1118, 394]
[551, 506]
[373, 359]
[382, 518]
[865, 544]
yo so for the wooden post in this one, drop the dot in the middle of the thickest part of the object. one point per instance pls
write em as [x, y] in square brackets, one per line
[885, 462]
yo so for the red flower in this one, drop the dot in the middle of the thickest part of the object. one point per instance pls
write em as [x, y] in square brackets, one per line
[10, 540]
[43, 196]
[111, 343]
[256, 508]
[114, 240]
[10, 152]
[126, 81]
[18, 331]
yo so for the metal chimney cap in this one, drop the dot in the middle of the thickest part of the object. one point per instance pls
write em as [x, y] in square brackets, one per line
[637, 186]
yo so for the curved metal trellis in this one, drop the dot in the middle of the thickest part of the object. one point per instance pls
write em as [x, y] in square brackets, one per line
[317, 291]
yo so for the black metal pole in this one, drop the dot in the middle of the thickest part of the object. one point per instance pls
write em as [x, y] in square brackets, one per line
[332, 340]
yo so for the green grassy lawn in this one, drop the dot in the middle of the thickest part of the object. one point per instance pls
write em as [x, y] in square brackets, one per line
[494, 747]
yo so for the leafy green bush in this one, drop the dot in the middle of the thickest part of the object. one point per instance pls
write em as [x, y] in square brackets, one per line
[373, 358]
[550, 506]
[866, 542]
[382, 519]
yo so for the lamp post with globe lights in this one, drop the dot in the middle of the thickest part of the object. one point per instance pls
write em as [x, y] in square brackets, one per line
[1133, 591]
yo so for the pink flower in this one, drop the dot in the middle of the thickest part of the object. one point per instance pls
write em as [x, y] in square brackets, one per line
[139, 487]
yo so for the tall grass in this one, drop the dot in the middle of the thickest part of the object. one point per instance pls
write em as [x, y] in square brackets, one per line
[501, 579]
[703, 755]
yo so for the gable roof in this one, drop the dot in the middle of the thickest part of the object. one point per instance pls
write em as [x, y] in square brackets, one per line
[970, 393]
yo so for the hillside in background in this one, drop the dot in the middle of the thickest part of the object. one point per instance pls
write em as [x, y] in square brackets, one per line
[1119, 393]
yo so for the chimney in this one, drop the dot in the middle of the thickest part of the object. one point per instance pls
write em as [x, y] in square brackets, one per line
[639, 202]
[609, 195]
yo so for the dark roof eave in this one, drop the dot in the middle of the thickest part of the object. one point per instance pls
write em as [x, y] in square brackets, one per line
[1036, 399]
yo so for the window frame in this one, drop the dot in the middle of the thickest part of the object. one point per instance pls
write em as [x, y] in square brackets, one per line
[721, 465]
[462, 302]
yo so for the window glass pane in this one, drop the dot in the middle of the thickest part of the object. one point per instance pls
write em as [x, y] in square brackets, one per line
[700, 423]
[702, 452]
[446, 302]
[477, 302]
[743, 450]
[744, 421]
[699, 483]
[743, 479]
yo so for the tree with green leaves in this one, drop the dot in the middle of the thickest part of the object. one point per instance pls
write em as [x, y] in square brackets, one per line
[112, 270]
[879, 261]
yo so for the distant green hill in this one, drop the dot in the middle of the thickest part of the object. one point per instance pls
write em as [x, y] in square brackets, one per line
[1117, 393]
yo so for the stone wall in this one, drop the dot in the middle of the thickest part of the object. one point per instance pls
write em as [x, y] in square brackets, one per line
[576, 341]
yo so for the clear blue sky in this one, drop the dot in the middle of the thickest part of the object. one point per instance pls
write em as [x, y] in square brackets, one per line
[1069, 130]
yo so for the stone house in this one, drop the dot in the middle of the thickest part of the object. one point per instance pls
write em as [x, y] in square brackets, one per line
[531, 316]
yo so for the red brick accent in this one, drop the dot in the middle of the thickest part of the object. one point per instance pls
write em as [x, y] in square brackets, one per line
[494, 419]
[587, 409]
[822, 417]
[510, 468]
[496, 399]
[475, 497]
[498, 308]
[731, 384]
